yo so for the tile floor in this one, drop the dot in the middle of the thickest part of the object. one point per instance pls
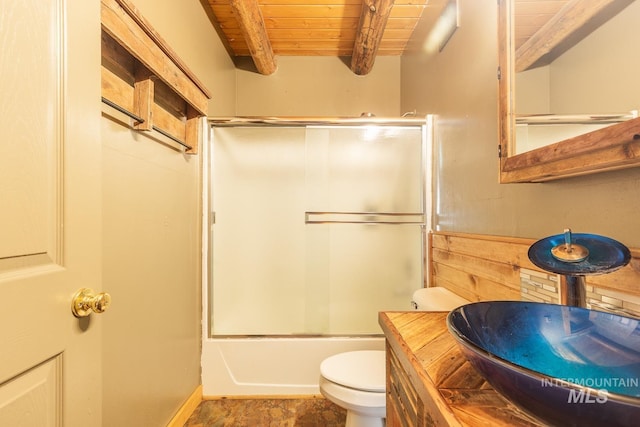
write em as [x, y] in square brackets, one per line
[306, 412]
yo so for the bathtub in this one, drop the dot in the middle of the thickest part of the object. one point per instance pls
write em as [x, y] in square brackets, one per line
[271, 366]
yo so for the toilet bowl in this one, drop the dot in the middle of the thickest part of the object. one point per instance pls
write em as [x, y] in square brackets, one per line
[355, 380]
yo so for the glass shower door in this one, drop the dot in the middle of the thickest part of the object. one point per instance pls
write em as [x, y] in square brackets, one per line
[258, 238]
[316, 229]
[365, 217]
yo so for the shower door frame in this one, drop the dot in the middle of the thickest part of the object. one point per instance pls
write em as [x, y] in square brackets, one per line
[426, 125]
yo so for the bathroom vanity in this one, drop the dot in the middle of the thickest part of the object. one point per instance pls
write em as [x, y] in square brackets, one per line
[430, 382]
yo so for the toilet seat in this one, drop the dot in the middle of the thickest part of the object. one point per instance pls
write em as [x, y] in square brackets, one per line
[360, 370]
[371, 403]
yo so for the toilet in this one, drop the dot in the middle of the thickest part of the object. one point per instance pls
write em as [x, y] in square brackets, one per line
[355, 380]
[436, 299]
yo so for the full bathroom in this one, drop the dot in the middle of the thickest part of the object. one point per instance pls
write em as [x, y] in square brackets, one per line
[238, 260]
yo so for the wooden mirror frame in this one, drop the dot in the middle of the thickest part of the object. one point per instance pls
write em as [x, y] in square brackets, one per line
[613, 147]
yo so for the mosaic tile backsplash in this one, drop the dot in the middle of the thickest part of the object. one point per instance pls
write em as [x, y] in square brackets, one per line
[538, 286]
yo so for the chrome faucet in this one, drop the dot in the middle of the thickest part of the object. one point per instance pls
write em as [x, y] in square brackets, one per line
[575, 256]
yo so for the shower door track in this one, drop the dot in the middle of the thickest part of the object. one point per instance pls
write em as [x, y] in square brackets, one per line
[315, 121]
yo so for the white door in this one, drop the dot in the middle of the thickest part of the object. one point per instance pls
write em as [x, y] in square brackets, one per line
[50, 366]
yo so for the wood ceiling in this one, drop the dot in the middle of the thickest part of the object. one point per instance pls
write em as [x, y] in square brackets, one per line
[311, 28]
[363, 29]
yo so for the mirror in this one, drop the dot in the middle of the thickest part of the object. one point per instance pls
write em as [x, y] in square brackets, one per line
[556, 56]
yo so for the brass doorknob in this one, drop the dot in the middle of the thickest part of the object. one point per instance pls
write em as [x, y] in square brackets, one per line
[86, 301]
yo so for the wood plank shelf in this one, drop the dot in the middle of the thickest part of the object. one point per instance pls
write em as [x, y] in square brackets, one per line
[146, 80]
[430, 382]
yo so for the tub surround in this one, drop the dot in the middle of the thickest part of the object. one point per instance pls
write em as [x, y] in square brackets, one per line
[430, 382]
[287, 366]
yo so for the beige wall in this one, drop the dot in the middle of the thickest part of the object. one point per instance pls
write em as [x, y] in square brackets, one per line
[320, 86]
[599, 75]
[151, 234]
[459, 85]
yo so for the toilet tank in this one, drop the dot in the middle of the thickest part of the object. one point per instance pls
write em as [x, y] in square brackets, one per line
[436, 299]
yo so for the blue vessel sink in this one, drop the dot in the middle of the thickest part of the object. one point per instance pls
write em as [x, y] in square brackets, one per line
[567, 366]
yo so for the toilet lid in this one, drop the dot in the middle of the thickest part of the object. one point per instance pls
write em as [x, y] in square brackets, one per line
[361, 370]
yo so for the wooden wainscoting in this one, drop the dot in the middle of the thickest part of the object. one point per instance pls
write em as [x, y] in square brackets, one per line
[481, 267]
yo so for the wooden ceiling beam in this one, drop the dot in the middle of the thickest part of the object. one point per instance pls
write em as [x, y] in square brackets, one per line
[255, 34]
[576, 20]
[373, 20]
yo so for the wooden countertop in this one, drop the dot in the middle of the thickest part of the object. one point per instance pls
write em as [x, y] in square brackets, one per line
[453, 392]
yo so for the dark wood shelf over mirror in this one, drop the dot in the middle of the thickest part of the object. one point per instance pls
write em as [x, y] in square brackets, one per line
[616, 146]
